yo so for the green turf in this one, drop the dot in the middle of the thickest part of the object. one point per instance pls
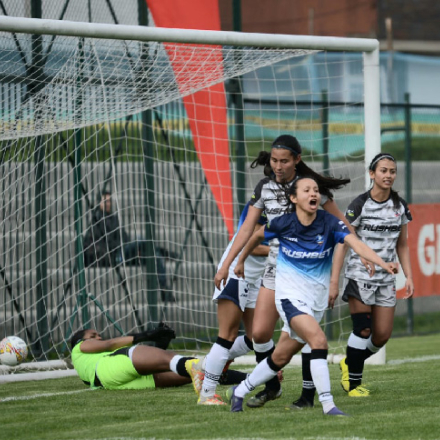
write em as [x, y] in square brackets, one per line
[405, 404]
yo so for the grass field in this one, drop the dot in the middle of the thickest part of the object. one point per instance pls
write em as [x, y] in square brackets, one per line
[405, 404]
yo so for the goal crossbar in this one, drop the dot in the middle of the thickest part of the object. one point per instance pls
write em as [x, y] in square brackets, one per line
[142, 33]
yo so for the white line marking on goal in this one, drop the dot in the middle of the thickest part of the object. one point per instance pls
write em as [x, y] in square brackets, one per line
[36, 396]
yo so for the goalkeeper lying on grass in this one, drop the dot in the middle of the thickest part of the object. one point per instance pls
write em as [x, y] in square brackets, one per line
[120, 364]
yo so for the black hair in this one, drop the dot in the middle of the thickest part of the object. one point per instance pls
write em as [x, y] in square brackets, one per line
[325, 183]
[77, 337]
[264, 160]
[372, 167]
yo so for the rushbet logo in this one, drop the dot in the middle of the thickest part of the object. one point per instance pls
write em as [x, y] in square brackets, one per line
[302, 254]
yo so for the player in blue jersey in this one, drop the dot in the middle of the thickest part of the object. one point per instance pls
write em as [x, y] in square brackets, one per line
[307, 239]
[380, 218]
[236, 302]
[283, 165]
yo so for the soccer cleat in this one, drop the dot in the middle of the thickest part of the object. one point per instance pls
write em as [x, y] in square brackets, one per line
[301, 403]
[211, 400]
[194, 369]
[262, 397]
[236, 402]
[336, 412]
[359, 391]
[345, 381]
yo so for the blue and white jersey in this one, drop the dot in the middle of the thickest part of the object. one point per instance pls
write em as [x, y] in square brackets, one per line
[253, 266]
[271, 196]
[305, 256]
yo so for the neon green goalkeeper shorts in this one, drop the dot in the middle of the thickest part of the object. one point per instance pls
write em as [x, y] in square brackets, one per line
[116, 372]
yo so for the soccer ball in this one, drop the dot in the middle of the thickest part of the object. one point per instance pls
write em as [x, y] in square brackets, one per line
[13, 351]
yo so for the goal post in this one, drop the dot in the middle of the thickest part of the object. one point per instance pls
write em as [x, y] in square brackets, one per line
[141, 119]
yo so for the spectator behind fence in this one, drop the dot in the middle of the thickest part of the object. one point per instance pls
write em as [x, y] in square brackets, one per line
[106, 242]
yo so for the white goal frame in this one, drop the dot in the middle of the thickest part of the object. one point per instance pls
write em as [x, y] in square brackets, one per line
[369, 48]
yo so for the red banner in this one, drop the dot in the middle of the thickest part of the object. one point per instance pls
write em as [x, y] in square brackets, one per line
[206, 109]
[424, 248]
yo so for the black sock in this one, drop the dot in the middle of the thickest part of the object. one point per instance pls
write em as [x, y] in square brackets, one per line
[308, 388]
[180, 367]
[260, 356]
[274, 383]
[248, 342]
[232, 377]
[355, 362]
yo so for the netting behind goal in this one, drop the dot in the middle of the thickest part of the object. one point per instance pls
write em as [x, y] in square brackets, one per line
[88, 123]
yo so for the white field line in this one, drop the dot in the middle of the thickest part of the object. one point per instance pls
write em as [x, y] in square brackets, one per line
[240, 438]
[412, 360]
[36, 396]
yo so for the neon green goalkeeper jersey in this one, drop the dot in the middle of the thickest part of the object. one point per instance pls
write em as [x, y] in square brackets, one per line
[85, 363]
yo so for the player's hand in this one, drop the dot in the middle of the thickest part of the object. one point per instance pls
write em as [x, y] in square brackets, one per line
[392, 268]
[221, 277]
[239, 269]
[409, 287]
[158, 333]
[333, 293]
[371, 269]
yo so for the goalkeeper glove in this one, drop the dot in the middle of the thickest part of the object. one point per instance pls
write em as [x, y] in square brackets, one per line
[162, 331]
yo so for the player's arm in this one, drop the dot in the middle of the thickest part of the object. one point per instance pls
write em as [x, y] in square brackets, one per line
[262, 250]
[366, 252]
[402, 250]
[102, 345]
[332, 208]
[243, 235]
[95, 344]
[256, 239]
[338, 262]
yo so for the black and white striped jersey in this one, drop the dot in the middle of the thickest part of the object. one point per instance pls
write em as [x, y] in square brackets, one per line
[377, 224]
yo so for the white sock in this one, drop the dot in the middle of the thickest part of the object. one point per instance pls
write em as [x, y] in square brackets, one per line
[306, 349]
[371, 346]
[262, 348]
[240, 348]
[321, 379]
[214, 364]
[173, 363]
[357, 342]
[261, 374]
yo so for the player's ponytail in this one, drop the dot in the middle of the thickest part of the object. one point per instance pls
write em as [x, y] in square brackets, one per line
[263, 159]
[325, 183]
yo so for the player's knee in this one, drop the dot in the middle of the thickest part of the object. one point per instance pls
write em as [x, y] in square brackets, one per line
[361, 324]
[261, 336]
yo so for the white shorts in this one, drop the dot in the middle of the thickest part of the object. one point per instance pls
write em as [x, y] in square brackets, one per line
[270, 272]
[291, 307]
[240, 292]
[369, 294]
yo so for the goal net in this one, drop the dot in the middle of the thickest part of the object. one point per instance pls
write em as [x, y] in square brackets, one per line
[124, 164]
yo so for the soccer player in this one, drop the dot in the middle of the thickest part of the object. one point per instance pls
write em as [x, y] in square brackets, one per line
[285, 166]
[121, 364]
[380, 218]
[307, 238]
[236, 302]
